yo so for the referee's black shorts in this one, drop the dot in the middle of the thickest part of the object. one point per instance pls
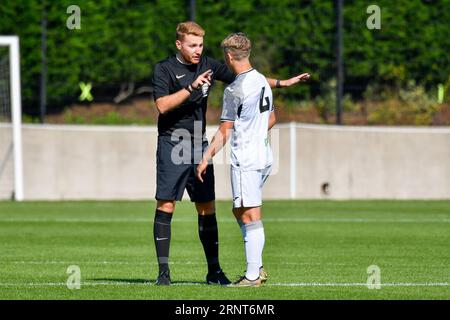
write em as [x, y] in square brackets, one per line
[173, 177]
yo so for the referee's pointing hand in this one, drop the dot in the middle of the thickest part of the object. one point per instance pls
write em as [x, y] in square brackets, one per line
[205, 77]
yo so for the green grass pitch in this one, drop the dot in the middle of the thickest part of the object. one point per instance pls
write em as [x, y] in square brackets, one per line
[314, 250]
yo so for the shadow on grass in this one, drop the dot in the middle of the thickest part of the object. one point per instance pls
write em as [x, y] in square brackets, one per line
[143, 281]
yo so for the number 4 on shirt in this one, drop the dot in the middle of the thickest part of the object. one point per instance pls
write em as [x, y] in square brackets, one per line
[263, 107]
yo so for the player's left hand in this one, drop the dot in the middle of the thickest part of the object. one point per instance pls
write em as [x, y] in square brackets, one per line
[294, 80]
[201, 170]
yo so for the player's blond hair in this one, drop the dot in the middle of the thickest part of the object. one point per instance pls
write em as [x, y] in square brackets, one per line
[189, 27]
[238, 44]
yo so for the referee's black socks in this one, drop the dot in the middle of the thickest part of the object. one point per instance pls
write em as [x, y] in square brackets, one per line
[161, 234]
[208, 233]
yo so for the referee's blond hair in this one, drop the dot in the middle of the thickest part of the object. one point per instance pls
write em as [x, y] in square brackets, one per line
[238, 45]
[189, 27]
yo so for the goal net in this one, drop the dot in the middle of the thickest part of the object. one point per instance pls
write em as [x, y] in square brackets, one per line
[11, 186]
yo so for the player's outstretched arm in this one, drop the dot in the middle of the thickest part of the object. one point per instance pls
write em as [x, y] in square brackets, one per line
[171, 101]
[274, 83]
[219, 140]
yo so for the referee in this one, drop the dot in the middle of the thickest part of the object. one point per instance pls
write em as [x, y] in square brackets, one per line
[181, 84]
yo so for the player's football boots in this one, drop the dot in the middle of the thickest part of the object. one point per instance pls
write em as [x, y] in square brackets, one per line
[244, 282]
[263, 275]
[217, 278]
[163, 278]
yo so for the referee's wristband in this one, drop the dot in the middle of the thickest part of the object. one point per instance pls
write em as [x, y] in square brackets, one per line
[189, 88]
[278, 84]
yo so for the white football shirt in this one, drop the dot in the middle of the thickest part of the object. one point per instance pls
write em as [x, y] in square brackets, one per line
[248, 102]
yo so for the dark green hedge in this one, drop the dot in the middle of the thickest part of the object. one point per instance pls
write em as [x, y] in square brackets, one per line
[121, 40]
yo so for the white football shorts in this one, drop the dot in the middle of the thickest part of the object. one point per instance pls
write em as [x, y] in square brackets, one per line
[247, 186]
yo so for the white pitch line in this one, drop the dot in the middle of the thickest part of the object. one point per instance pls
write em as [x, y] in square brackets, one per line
[146, 283]
[139, 220]
[318, 284]
[93, 284]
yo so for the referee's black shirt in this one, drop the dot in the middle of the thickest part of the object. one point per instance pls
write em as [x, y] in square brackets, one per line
[170, 76]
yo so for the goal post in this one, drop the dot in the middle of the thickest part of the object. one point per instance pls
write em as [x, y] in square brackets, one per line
[10, 91]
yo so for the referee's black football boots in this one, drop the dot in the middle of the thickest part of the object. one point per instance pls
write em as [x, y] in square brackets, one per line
[217, 278]
[163, 279]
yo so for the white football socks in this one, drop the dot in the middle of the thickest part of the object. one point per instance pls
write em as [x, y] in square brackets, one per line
[253, 235]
